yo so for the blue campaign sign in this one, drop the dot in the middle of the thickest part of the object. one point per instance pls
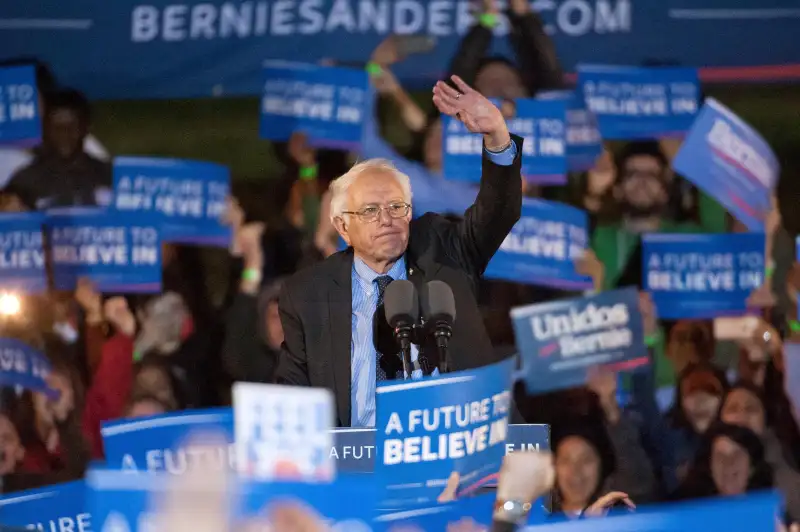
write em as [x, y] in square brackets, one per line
[56, 508]
[731, 162]
[117, 251]
[121, 501]
[354, 449]
[325, 103]
[22, 264]
[20, 123]
[755, 511]
[21, 365]
[640, 103]
[544, 154]
[429, 428]
[584, 143]
[561, 340]
[159, 443]
[201, 48]
[189, 196]
[543, 246]
[702, 276]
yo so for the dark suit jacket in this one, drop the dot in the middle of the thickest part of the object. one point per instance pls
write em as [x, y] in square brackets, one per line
[316, 303]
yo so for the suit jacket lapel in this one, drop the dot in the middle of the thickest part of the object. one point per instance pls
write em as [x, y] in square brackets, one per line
[340, 311]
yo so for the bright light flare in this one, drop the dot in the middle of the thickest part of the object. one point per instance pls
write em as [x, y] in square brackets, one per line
[9, 305]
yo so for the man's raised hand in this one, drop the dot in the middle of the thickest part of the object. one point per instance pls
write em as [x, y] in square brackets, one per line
[477, 113]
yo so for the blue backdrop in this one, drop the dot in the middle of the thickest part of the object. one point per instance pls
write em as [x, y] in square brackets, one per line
[165, 48]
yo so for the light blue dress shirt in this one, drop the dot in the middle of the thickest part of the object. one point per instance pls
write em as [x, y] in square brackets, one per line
[363, 357]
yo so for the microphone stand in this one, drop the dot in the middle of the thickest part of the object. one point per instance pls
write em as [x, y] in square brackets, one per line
[442, 333]
[403, 335]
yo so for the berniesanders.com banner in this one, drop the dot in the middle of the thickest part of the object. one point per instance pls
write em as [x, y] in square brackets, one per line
[193, 48]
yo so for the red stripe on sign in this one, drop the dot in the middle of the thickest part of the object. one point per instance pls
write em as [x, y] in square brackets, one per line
[770, 73]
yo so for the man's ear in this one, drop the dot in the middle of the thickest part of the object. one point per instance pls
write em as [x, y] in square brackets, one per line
[341, 228]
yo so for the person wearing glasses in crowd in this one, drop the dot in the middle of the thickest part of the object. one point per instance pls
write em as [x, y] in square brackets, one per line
[331, 312]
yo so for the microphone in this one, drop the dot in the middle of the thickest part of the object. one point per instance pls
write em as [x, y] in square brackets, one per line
[401, 306]
[439, 312]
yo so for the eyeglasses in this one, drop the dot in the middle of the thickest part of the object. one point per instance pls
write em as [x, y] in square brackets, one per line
[370, 213]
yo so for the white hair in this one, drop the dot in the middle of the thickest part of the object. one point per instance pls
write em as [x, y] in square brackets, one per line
[341, 185]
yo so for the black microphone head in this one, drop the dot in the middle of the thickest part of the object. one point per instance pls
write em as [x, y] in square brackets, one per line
[437, 302]
[401, 303]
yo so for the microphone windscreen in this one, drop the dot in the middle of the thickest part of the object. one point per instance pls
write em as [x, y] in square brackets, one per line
[401, 303]
[437, 302]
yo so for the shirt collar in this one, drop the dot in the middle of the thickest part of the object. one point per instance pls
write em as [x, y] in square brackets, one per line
[366, 276]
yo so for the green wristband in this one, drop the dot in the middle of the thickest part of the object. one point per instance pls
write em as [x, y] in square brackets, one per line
[374, 68]
[308, 173]
[794, 326]
[137, 356]
[652, 340]
[769, 271]
[488, 20]
[251, 274]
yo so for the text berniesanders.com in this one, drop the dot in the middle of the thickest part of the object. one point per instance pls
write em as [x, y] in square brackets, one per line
[441, 18]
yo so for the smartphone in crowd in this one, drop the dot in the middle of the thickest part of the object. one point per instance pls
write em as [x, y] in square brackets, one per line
[414, 44]
[739, 328]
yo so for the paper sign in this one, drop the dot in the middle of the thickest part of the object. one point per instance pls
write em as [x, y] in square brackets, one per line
[56, 508]
[542, 125]
[117, 252]
[189, 196]
[429, 428]
[561, 340]
[21, 365]
[640, 103]
[327, 104]
[702, 276]
[20, 120]
[22, 260]
[283, 432]
[542, 247]
[731, 162]
[584, 143]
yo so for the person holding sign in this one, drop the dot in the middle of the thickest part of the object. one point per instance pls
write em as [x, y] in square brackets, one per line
[61, 173]
[328, 310]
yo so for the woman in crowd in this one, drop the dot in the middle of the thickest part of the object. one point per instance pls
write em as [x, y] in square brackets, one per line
[730, 461]
[743, 406]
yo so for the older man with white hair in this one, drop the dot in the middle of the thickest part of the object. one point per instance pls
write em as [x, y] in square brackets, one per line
[334, 328]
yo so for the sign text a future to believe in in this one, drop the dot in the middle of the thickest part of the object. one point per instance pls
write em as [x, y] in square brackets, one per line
[702, 276]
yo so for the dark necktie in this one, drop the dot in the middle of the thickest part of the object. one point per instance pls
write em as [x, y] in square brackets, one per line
[382, 282]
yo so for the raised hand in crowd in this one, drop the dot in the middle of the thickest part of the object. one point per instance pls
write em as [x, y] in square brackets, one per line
[119, 315]
[233, 216]
[762, 297]
[387, 85]
[588, 264]
[648, 310]
[524, 477]
[474, 110]
[61, 406]
[602, 505]
[387, 52]
[90, 300]
[603, 383]
[301, 151]
[599, 180]
[326, 235]
[451, 489]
